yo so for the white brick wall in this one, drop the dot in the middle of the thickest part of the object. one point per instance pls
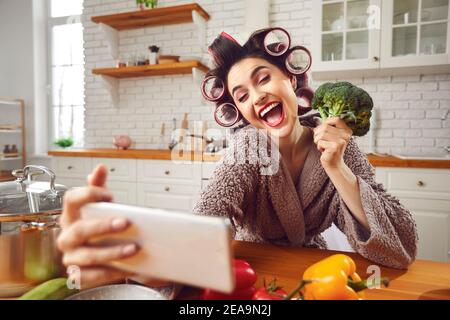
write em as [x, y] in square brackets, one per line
[409, 107]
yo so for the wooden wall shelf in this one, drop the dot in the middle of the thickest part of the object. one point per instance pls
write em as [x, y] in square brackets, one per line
[184, 67]
[152, 17]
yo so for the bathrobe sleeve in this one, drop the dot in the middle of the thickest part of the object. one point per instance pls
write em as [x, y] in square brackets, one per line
[392, 238]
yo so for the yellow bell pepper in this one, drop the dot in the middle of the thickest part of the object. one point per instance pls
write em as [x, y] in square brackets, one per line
[333, 278]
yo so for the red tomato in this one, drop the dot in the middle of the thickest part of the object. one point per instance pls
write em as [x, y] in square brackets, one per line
[265, 294]
[245, 278]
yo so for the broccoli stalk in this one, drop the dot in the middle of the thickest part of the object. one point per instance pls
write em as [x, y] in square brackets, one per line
[342, 99]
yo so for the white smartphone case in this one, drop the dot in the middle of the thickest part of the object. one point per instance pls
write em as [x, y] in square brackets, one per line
[175, 246]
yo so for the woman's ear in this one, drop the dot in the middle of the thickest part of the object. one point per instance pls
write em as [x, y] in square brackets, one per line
[294, 82]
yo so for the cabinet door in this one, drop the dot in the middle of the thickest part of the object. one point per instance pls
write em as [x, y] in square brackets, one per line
[433, 234]
[162, 171]
[123, 192]
[346, 35]
[72, 167]
[118, 169]
[71, 182]
[415, 33]
[208, 169]
[167, 196]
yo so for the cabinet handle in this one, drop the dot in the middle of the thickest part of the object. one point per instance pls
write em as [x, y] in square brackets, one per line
[167, 172]
[376, 59]
[167, 189]
[420, 183]
[112, 169]
[69, 167]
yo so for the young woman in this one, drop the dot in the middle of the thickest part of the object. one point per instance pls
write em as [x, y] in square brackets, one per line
[311, 175]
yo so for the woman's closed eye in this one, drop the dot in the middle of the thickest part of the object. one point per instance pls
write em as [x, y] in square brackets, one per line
[243, 97]
[261, 81]
[264, 79]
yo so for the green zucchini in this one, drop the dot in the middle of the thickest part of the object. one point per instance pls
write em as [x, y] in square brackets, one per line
[55, 289]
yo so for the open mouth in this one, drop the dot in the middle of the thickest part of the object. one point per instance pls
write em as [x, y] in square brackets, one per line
[272, 113]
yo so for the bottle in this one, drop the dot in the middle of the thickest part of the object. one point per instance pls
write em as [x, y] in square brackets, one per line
[14, 149]
[6, 149]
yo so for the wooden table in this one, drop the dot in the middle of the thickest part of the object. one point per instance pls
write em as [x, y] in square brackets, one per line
[424, 280]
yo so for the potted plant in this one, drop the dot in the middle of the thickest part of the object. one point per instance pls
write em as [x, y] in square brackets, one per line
[153, 55]
[64, 142]
[142, 4]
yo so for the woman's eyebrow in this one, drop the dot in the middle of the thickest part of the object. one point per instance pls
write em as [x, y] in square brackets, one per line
[251, 76]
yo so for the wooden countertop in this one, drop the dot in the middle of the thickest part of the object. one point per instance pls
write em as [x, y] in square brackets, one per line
[375, 160]
[151, 154]
[392, 161]
[424, 280]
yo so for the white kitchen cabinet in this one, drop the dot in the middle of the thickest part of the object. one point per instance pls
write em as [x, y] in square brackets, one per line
[72, 167]
[118, 169]
[415, 33]
[168, 195]
[123, 192]
[121, 178]
[71, 171]
[161, 170]
[71, 182]
[152, 183]
[207, 172]
[346, 35]
[426, 193]
[380, 37]
[168, 184]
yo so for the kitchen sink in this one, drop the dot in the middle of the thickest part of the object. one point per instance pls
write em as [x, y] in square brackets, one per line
[423, 157]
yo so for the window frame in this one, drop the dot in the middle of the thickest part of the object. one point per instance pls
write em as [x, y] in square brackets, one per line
[52, 22]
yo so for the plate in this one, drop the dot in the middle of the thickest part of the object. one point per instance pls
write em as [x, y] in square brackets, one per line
[119, 292]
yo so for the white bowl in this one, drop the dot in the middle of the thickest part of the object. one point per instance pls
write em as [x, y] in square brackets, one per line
[119, 292]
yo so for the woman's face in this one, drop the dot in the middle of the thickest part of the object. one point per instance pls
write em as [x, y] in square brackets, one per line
[264, 95]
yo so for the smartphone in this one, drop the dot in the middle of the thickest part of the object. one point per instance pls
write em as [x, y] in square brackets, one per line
[176, 246]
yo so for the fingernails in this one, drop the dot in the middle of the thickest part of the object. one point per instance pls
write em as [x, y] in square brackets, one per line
[119, 224]
[129, 249]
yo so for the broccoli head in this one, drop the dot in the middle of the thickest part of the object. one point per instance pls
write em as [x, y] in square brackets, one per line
[347, 101]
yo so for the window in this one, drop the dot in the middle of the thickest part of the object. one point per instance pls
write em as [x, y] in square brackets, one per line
[66, 72]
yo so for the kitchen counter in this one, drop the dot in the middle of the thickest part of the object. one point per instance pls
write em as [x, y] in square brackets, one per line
[424, 280]
[375, 160]
[152, 154]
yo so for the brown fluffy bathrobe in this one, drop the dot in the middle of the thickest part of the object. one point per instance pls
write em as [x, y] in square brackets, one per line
[271, 209]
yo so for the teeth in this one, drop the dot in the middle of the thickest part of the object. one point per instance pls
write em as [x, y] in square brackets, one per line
[264, 112]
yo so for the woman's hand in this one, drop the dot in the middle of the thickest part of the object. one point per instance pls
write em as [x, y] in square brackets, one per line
[331, 138]
[74, 240]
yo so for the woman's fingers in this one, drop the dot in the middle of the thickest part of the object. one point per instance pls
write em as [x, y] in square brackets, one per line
[331, 127]
[96, 256]
[331, 134]
[98, 176]
[97, 276]
[338, 123]
[81, 231]
[75, 198]
[331, 146]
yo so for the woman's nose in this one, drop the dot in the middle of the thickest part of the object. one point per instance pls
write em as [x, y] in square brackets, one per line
[260, 98]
